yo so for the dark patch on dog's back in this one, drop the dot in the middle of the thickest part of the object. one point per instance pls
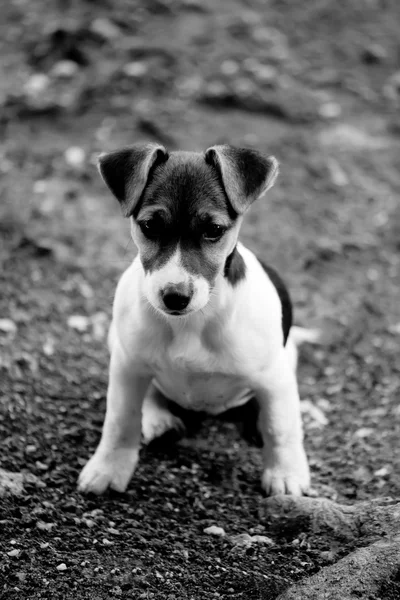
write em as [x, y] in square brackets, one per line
[235, 268]
[283, 293]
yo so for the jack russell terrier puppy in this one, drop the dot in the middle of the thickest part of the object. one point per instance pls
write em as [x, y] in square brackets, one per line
[197, 318]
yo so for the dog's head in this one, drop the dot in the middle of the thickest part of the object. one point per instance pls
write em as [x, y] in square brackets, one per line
[186, 209]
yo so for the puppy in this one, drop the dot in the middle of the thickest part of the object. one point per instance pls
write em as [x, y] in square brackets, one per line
[197, 319]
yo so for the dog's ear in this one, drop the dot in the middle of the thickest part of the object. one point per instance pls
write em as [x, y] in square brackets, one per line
[126, 172]
[246, 174]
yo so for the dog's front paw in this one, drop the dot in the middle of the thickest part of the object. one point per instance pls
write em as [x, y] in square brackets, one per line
[287, 477]
[112, 470]
[156, 422]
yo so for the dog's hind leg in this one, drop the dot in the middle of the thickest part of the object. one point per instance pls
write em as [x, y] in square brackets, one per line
[156, 416]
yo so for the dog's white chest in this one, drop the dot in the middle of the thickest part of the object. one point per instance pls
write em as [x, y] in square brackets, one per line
[188, 373]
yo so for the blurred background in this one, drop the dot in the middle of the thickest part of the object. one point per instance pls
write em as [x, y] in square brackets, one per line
[317, 84]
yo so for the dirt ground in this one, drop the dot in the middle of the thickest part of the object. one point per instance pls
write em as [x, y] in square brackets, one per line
[318, 85]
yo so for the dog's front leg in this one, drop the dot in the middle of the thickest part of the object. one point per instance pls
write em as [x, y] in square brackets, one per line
[285, 466]
[113, 463]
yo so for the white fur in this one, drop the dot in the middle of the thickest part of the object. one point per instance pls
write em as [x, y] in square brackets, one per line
[211, 360]
[174, 273]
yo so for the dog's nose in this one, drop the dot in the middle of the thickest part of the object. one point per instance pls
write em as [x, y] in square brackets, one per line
[176, 302]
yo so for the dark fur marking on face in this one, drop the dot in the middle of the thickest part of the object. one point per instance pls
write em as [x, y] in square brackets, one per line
[156, 255]
[190, 194]
[287, 309]
[235, 268]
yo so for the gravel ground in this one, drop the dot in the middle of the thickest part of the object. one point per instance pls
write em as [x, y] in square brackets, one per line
[316, 84]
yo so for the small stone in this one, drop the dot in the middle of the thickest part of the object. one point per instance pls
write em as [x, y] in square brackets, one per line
[244, 539]
[107, 542]
[45, 526]
[79, 323]
[14, 553]
[44, 545]
[263, 539]
[41, 466]
[8, 326]
[229, 67]
[65, 69]
[215, 89]
[75, 157]
[243, 86]
[30, 448]
[314, 413]
[265, 74]
[374, 54]
[363, 432]
[48, 347]
[40, 186]
[99, 325]
[252, 65]
[395, 329]
[85, 289]
[214, 530]
[11, 483]
[338, 176]
[89, 523]
[61, 567]
[105, 28]
[382, 472]
[330, 110]
[36, 84]
[135, 69]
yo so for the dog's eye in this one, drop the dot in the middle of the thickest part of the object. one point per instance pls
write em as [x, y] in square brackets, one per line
[152, 228]
[213, 232]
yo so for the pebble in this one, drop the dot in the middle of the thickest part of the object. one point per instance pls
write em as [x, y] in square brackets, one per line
[214, 530]
[374, 54]
[244, 539]
[330, 110]
[14, 552]
[61, 567]
[107, 542]
[75, 157]
[65, 69]
[265, 74]
[48, 347]
[135, 69]
[89, 523]
[11, 483]
[105, 28]
[395, 329]
[36, 84]
[229, 67]
[8, 326]
[382, 472]
[78, 322]
[338, 176]
[100, 324]
[45, 526]
[314, 413]
[364, 432]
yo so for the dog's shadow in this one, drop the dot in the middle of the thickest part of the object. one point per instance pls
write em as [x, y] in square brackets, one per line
[245, 417]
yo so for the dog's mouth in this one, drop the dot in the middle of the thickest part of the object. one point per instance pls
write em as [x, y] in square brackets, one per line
[177, 313]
